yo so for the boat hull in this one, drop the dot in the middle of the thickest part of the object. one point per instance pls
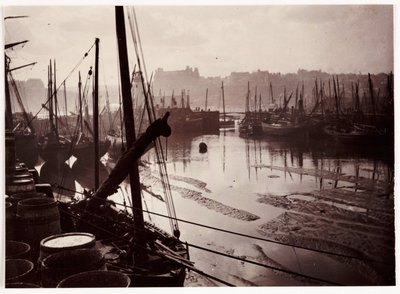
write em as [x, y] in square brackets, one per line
[26, 149]
[282, 129]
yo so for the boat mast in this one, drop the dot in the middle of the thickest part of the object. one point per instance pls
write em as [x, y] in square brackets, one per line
[96, 117]
[80, 101]
[50, 97]
[223, 99]
[130, 130]
[205, 108]
[9, 121]
[55, 101]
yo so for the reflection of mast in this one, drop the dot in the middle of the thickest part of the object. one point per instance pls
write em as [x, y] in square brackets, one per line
[255, 158]
[223, 153]
[247, 145]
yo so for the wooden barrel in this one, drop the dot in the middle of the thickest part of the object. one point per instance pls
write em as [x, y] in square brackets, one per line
[20, 186]
[15, 198]
[67, 241]
[92, 279]
[17, 250]
[58, 266]
[10, 221]
[19, 270]
[37, 218]
[10, 155]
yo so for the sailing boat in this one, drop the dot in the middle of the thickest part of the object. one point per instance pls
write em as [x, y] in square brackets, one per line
[84, 145]
[225, 123]
[24, 132]
[282, 126]
[53, 148]
[149, 255]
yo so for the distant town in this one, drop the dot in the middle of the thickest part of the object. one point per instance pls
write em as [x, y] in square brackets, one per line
[261, 83]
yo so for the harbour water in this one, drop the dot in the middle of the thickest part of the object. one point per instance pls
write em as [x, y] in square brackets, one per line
[316, 194]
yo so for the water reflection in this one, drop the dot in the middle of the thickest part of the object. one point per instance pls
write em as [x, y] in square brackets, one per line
[84, 174]
[60, 177]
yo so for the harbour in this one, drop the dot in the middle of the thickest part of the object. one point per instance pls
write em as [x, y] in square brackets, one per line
[181, 180]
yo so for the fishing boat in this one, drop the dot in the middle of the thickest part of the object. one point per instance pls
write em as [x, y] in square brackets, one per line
[225, 122]
[282, 128]
[53, 148]
[130, 247]
[351, 132]
[20, 123]
[84, 145]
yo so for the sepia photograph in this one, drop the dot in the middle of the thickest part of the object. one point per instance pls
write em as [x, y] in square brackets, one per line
[207, 145]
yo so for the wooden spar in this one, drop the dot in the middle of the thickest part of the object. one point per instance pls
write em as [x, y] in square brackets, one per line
[223, 99]
[80, 101]
[336, 98]
[129, 130]
[371, 91]
[248, 97]
[65, 104]
[9, 120]
[22, 66]
[205, 108]
[284, 100]
[124, 164]
[50, 97]
[55, 100]
[10, 45]
[255, 100]
[297, 96]
[96, 117]
[271, 92]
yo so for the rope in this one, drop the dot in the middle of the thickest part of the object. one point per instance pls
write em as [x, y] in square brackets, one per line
[264, 265]
[76, 66]
[201, 248]
[261, 239]
[147, 249]
[149, 104]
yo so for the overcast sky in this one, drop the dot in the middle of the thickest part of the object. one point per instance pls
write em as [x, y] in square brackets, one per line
[218, 40]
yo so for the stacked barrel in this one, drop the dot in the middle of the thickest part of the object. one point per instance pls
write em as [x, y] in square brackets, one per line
[38, 253]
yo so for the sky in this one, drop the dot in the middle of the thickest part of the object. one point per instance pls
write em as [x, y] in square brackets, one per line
[217, 40]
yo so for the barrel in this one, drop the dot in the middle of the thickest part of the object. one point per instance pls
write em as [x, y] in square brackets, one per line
[20, 169]
[17, 250]
[19, 270]
[96, 279]
[37, 219]
[66, 241]
[10, 221]
[10, 155]
[15, 198]
[21, 285]
[58, 266]
[20, 186]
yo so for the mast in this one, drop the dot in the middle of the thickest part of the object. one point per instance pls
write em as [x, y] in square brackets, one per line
[205, 108]
[223, 99]
[9, 121]
[96, 117]
[55, 101]
[80, 101]
[65, 103]
[271, 92]
[50, 97]
[129, 130]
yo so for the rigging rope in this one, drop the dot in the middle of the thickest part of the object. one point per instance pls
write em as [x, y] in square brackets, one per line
[263, 239]
[149, 104]
[201, 248]
[76, 66]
